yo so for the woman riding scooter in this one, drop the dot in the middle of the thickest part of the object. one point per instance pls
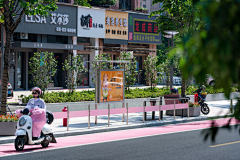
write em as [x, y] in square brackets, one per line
[37, 103]
[38, 106]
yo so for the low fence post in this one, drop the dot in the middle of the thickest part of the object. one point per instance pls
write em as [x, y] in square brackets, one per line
[144, 113]
[174, 110]
[108, 113]
[67, 118]
[95, 116]
[188, 109]
[160, 107]
[231, 109]
[123, 118]
[159, 110]
[89, 116]
[127, 113]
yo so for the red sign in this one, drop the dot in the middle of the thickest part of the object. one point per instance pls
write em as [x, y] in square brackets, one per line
[130, 36]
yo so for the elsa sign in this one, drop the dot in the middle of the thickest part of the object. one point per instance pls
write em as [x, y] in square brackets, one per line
[60, 22]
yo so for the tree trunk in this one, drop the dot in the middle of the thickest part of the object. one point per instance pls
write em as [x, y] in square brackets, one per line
[5, 77]
[183, 90]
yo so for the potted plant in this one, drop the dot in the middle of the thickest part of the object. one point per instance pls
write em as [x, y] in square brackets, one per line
[194, 111]
[153, 99]
[170, 96]
[8, 124]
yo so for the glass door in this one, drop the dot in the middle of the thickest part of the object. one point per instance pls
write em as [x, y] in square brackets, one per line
[83, 77]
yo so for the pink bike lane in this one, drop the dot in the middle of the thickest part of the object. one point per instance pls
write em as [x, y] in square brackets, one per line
[8, 149]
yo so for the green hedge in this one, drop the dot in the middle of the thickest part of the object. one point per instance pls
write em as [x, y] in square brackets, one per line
[59, 97]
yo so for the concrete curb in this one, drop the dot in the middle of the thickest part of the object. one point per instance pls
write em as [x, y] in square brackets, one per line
[144, 125]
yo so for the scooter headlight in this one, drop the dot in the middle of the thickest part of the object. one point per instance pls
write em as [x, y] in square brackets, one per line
[22, 121]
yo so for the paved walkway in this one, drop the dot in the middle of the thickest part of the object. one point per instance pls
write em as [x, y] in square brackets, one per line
[79, 126]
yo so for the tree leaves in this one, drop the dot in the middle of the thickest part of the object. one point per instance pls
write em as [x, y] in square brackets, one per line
[73, 65]
[42, 67]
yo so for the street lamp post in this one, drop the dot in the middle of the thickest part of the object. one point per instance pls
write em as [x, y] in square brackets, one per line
[170, 35]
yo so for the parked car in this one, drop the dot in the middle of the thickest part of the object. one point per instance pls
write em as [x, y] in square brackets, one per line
[177, 81]
[10, 90]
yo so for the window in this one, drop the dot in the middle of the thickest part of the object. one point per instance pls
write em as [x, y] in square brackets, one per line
[125, 4]
[64, 1]
[57, 39]
[83, 40]
[144, 6]
[30, 37]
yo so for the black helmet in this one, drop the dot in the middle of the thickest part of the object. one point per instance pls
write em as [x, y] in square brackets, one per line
[25, 111]
[174, 90]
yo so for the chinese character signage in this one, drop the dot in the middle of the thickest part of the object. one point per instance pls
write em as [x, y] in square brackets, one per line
[143, 30]
[91, 23]
[111, 85]
[116, 25]
[60, 22]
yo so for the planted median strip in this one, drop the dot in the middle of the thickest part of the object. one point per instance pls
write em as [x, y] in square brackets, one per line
[60, 97]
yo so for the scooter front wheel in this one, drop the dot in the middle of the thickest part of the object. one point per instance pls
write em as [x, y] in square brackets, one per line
[205, 109]
[19, 143]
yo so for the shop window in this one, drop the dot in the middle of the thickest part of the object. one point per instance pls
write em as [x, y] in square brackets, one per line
[83, 77]
[57, 39]
[83, 40]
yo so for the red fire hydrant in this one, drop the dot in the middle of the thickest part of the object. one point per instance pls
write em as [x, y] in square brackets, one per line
[196, 98]
[64, 119]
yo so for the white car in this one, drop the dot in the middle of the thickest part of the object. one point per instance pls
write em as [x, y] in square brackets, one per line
[177, 81]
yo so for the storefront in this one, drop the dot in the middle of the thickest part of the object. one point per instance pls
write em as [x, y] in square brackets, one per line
[143, 37]
[90, 32]
[39, 34]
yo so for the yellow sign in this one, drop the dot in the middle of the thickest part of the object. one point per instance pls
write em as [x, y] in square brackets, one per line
[116, 25]
[112, 86]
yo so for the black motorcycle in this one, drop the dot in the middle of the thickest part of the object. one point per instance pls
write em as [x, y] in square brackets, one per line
[201, 100]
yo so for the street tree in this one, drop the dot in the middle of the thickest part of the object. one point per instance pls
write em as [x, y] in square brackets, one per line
[130, 69]
[73, 65]
[42, 68]
[151, 70]
[11, 15]
[215, 50]
[100, 65]
[181, 16]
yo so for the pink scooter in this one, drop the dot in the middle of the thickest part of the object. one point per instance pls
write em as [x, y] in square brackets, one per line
[31, 124]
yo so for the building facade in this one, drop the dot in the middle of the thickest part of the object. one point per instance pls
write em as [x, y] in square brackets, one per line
[154, 7]
[81, 31]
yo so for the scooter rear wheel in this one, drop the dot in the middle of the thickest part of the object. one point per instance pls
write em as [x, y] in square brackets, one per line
[19, 143]
[205, 109]
[45, 144]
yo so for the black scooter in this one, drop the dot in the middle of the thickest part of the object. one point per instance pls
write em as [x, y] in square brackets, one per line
[204, 107]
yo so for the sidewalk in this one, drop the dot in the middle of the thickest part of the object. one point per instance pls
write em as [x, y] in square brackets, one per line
[79, 126]
[27, 93]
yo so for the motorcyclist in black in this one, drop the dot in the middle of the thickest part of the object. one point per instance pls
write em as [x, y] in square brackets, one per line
[199, 90]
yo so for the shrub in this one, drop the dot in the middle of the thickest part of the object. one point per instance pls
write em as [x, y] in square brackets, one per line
[60, 97]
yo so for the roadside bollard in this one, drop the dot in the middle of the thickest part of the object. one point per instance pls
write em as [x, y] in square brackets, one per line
[64, 119]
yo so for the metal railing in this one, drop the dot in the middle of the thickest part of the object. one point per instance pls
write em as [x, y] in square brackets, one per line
[88, 113]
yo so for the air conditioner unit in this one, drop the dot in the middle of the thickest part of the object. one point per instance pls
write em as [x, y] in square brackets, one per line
[23, 36]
